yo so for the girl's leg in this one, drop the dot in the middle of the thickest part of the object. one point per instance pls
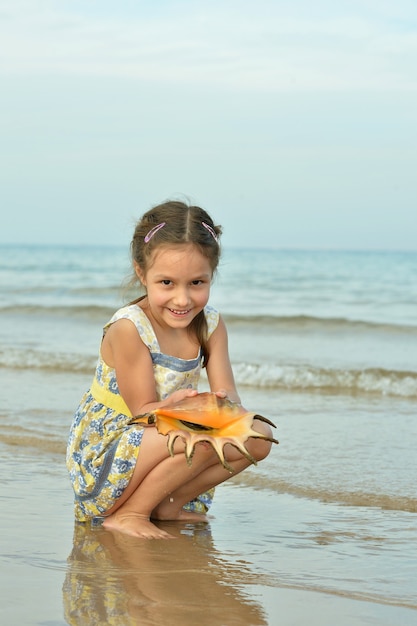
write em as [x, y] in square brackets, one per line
[214, 474]
[162, 484]
[156, 476]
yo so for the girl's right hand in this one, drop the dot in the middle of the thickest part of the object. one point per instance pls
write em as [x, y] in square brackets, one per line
[180, 395]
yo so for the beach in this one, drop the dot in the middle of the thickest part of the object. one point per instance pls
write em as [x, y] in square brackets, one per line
[323, 531]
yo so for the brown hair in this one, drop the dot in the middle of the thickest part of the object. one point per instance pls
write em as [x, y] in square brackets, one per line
[183, 223]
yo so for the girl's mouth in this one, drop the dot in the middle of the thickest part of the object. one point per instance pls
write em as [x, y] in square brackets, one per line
[179, 313]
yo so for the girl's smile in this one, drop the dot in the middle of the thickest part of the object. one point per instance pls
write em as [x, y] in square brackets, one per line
[180, 313]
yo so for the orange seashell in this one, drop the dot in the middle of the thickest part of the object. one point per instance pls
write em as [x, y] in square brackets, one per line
[206, 417]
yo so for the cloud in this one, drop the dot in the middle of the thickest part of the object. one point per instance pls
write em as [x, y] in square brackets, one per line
[266, 46]
[304, 112]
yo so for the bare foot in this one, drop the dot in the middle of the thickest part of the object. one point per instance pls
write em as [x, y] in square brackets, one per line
[135, 525]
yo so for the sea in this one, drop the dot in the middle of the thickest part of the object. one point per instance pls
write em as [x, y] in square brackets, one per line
[323, 343]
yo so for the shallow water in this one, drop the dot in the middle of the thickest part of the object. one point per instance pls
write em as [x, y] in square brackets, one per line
[234, 570]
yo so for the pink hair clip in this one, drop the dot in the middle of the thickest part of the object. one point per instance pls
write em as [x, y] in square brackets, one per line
[211, 231]
[153, 230]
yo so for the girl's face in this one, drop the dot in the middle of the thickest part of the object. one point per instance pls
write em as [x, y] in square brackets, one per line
[178, 284]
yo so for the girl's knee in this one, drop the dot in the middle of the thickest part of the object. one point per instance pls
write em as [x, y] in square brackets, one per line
[259, 447]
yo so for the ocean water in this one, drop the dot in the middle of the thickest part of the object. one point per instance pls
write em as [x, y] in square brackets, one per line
[322, 343]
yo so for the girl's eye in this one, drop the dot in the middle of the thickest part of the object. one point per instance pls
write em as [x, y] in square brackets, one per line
[166, 282]
[197, 282]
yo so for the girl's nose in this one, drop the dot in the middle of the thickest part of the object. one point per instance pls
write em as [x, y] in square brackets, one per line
[181, 298]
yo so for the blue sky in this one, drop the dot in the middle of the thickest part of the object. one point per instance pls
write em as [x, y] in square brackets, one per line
[293, 122]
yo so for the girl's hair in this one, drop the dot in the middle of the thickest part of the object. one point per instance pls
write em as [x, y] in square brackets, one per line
[171, 223]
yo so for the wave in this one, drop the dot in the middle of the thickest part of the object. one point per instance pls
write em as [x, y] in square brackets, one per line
[296, 378]
[36, 441]
[89, 312]
[47, 361]
[382, 501]
[315, 323]
[312, 379]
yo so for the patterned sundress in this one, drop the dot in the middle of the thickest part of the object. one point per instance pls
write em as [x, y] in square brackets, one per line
[103, 444]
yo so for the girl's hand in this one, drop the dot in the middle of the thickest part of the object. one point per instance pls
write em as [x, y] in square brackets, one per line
[180, 395]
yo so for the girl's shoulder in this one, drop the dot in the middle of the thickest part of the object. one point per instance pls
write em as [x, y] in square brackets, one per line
[135, 314]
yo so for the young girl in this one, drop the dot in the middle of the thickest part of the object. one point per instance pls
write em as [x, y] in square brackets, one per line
[151, 356]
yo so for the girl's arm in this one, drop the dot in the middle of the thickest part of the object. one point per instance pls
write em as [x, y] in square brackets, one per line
[219, 368]
[123, 349]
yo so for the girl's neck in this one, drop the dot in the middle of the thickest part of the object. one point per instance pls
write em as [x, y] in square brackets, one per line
[178, 342]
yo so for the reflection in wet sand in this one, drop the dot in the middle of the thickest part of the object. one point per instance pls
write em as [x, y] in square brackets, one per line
[118, 580]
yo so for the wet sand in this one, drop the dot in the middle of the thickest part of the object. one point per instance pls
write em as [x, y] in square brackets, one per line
[55, 572]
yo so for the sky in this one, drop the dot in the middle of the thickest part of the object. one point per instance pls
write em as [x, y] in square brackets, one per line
[294, 123]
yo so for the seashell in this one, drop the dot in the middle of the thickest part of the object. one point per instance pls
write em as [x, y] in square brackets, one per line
[206, 417]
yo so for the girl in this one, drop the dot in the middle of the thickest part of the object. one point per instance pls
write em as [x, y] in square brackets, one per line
[151, 356]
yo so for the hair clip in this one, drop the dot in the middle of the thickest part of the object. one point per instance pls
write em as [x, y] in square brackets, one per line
[153, 230]
[211, 231]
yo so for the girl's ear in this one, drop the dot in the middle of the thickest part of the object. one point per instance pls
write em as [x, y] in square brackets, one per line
[139, 273]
